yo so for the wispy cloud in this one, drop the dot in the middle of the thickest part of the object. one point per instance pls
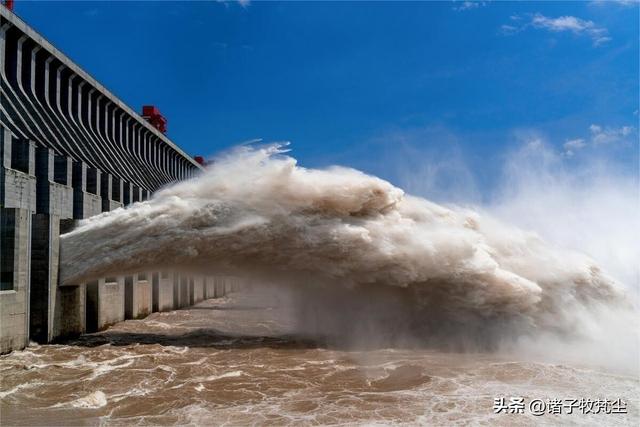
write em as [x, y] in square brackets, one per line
[609, 135]
[572, 24]
[599, 136]
[575, 25]
[624, 3]
[468, 5]
[573, 145]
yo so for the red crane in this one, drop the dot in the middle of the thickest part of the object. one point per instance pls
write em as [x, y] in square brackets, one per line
[8, 4]
[151, 114]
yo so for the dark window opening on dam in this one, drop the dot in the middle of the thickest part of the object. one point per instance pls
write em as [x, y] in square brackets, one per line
[11, 55]
[20, 155]
[26, 65]
[191, 292]
[7, 245]
[39, 75]
[126, 193]
[61, 172]
[93, 175]
[115, 189]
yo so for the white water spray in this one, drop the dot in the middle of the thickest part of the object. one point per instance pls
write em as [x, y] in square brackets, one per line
[256, 213]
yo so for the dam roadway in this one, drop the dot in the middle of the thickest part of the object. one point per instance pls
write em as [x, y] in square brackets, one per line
[70, 150]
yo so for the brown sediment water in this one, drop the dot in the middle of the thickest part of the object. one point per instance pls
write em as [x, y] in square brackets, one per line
[238, 361]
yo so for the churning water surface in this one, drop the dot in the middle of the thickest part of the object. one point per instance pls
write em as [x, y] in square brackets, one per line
[361, 305]
[238, 361]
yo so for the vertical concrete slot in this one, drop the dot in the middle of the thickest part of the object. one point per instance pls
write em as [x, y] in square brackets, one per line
[184, 291]
[155, 291]
[128, 297]
[7, 245]
[176, 291]
[92, 306]
[191, 292]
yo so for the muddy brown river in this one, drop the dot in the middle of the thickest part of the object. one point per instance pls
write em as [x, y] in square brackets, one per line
[235, 361]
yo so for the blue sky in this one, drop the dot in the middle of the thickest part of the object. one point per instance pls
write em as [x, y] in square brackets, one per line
[384, 87]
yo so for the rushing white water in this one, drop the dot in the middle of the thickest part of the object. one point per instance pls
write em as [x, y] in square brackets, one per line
[256, 213]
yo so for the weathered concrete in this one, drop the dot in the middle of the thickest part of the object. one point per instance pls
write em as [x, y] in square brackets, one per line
[165, 291]
[105, 303]
[55, 198]
[219, 287]
[198, 289]
[85, 203]
[69, 312]
[138, 296]
[17, 177]
[45, 244]
[14, 301]
[69, 150]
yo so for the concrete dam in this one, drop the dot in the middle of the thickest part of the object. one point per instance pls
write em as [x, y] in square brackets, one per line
[70, 150]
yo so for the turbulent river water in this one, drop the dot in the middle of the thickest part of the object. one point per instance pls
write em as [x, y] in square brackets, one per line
[237, 360]
[360, 305]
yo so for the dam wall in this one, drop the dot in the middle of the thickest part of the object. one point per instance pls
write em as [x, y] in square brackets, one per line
[69, 150]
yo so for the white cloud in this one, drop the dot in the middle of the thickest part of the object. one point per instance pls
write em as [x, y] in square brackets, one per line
[573, 145]
[609, 135]
[577, 26]
[572, 24]
[468, 5]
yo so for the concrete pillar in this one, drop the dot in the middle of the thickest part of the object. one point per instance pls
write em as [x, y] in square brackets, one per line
[17, 176]
[5, 147]
[105, 303]
[198, 290]
[138, 296]
[219, 285]
[85, 204]
[163, 297]
[15, 271]
[52, 197]
[183, 299]
[45, 257]
[69, 314]
[109, 192]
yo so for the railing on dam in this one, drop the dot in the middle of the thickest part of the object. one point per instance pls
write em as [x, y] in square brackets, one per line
[69, 149]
